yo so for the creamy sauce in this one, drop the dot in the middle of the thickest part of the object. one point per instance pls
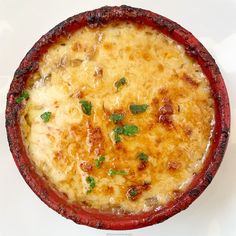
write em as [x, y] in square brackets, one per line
[174, 130]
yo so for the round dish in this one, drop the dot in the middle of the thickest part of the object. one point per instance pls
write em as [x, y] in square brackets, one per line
[89, 215]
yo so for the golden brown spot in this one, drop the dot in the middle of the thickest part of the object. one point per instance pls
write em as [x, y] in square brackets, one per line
[146, 56]
[59, 155]
[173, 165]
[90, 52]
[120, 147]
[167, 109]
[76, 47]
[109, 190]
[160, 67]
[155, 102]
[79, 94]
[108, 46]
[86, 166]
[131, 57]
[76, 62]
[135, 191]
[142, 165]
[148, 33]
[190, 80]
[165, 113]
[188, 131]
[128, 49]
[98, 72]
[95, 139]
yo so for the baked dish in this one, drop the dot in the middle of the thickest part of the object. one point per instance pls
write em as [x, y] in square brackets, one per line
[118, 118]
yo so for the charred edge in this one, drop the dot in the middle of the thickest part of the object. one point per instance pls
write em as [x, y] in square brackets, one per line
[23, 70]
[223, 144]
[219, 98]
[132, 12]
[11, 116]
[95, 19]
[166, 24]
[74, 218]
[191, 51]
[128, 8]
[61, 210]
[44, 194]
[208, 60]
[99, 225]
[24, 170]
[194, 192]
[8, 122]
[208, 177]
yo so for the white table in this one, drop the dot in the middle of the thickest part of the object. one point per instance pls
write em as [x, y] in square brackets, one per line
[22, 22]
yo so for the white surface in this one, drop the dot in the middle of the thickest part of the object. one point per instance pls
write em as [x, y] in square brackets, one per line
[22, 22]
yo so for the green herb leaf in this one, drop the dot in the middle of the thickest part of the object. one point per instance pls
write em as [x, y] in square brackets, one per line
[117, 131]
[112, 172]
[86, 107]
[91, 181]
[24, 95]
[133, 192]
[142, 156]
[120, 83]
[99, 161]
[130, 130]
[136, 109]
[116, 117]
[46, 116]
[117, 138]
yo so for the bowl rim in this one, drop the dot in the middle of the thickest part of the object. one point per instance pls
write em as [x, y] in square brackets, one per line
[98, 18]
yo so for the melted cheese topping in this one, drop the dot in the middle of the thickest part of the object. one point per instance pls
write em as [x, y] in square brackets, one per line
[174, 131]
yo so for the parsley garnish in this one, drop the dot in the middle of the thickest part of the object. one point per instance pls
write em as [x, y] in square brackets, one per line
[133, 192]
[86, 107]
[136, 109]
[116, 117]
[121, 82]
[46, 116]
[117, 132]
[91, 181]
[99, 161]
[112, 172]
[142, 157]
[130, 130]
[24, 95]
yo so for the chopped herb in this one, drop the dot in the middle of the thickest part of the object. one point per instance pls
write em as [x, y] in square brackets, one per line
[133, 192]
[142, 156]
[130, 130]
[91, 181]
[117, 132]
[117, 138]
[116, 117]
[120, 82]
[99, 161]
[46, 116]
[136, 109]
[86, 107]
[112, 172]
[24, 95]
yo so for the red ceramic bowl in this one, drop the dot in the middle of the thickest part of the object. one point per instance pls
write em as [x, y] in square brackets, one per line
[93, 217]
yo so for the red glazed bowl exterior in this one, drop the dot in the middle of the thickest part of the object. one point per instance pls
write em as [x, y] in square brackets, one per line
[93, 217]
